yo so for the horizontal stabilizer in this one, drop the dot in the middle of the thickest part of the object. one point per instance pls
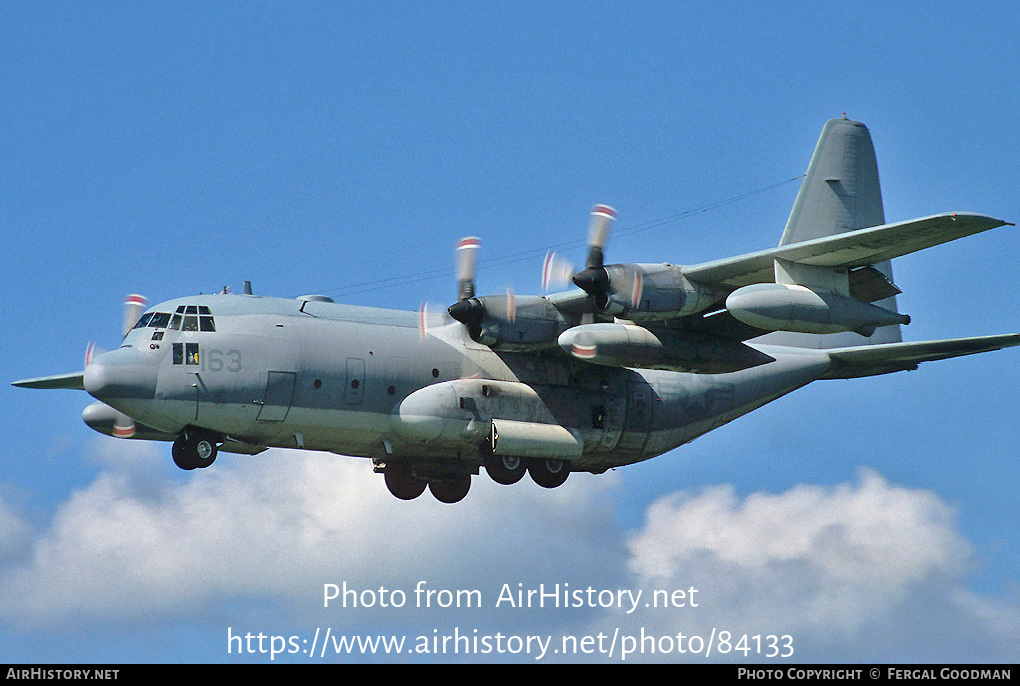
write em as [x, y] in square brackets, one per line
[867, 360]
[851, 249]
[69, 381]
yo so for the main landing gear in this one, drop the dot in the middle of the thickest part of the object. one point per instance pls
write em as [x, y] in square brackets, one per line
[194, 449]
[508, 469]
[408, 484]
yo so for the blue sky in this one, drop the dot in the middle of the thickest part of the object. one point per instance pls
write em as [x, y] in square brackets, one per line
[342, 148]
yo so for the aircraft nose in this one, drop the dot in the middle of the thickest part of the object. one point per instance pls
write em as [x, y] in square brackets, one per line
[122, 378]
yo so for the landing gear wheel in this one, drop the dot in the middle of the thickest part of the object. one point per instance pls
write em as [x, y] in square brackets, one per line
[402, 483]
[548, 473]
[204, 449]
[180, 454]
[452, 489]
[194, 450]
[505, 469]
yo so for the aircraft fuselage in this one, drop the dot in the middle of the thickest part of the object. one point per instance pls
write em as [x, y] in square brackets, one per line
[369, 382]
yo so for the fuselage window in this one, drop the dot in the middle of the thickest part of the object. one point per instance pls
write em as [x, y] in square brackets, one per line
[178, 353]
[191, 353]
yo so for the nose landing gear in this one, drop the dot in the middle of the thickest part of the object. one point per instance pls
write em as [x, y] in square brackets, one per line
[194, 449]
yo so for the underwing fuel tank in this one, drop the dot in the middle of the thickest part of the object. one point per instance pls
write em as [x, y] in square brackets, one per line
[789, 307]
[629, 345]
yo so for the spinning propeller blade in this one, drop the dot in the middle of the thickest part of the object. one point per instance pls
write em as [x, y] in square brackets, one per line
[467, 264]
[556, 271]
[594, 280]
[134, 304]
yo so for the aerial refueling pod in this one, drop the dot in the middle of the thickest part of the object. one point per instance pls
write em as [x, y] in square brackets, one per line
[790, 307]
[629, 345]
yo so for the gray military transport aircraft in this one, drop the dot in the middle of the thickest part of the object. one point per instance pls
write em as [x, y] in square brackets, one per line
[639, 359]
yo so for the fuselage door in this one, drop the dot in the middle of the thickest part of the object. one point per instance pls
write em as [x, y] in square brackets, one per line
[279, 395]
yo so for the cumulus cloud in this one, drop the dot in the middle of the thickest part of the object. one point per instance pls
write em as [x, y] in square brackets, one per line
[14, 532]
[865, 570]
[850, 571]
[278, 526]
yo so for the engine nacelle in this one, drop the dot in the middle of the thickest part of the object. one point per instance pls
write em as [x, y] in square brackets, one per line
[517, 323]
[789, 307]
[654, 292]
[628, 345]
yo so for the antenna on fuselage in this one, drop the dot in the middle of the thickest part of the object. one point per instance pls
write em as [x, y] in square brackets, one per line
[247, 287]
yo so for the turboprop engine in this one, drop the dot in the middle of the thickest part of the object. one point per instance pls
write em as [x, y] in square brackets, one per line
[646, 292]
[790, 307]
[506, 322]
[509, 322]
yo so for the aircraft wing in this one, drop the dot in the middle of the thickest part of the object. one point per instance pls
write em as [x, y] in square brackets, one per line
[576, 301]
[867, 360]
[70, 381]
[851, 249]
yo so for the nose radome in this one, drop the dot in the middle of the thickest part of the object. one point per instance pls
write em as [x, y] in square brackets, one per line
[122, 378]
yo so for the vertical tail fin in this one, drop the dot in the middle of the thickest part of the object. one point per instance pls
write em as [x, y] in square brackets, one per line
[840, 193]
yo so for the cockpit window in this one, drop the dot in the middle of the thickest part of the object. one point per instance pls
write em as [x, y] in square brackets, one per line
[143, 321]
[160, 320]
[191, 318]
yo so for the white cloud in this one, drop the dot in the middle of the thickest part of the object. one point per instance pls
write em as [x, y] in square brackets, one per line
[278, 526]
[14, 532]
[856, 571]
[848, 571]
